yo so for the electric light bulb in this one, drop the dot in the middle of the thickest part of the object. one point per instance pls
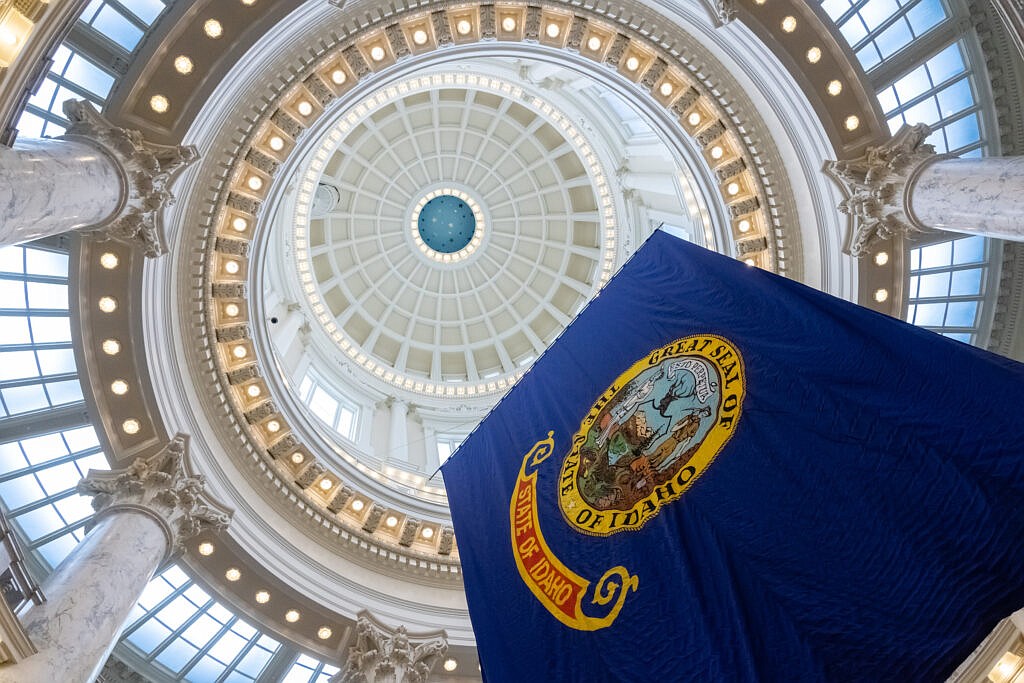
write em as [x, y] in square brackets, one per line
[111, 347]
[594, 43]
[255, 183]
[789, 24]
[159, 104]
[213, 29]
[338, 76]
[253, 390]
[419, 36]
[881, 258]
[632, 64]
[851, 123]
[694, 118]
[119, 387]
[814, 55]
[109, 261]
[107, 304]
[206, 548]
[553, 30]
[834, 88]
[130, 426]
[262, 597]
[232, 310]
[666, 89]
[239, 224]
[377, 53]
[305, 108]
[233, 574]
[183, 65]
[508, 23]
[323, 633]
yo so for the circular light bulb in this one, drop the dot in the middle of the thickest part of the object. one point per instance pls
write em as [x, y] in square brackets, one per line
[255, 183]
[305, 108]
[338, 76]
[632, 64]
[326, 484]
[298, 458]
[450, 664]
[717, 152]
[666, 89]
[509, 23]
[233, 574]
[744, 225]
[239, 224]
[183, 65]
[107, 304]
[213, 29]
[7, 37]
[248, 3]
[419, 36]
[262, 597]
[749, 261]
[159, 104]
[357, 505]
[273, 426]
[464, 27]
[881, 258]
[231, 267]
[291, 616]
[130, 426]
[881, 295]
[377, 53]
[553, 30]
[109, 261]
[834, 87]
[232, 310]
[391, 522]
[276, 143]
[253, 390]
[814, 55]
[206, 548]
[119, 387]
[733, 189]
[111, 347]
[851, 123]
[694, 118]
[239, 351]
[594, 43]
[789, 24]
[323, 633]
[427, 532]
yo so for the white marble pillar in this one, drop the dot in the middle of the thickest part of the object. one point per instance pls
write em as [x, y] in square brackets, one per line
[398, 434]
[978, 196]
[52, 186]
[381, 655]
[96, 177]
[430, 446]
[144, 515]
[904, 187]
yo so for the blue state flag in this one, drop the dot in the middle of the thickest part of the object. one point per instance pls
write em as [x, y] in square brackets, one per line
[718, 474]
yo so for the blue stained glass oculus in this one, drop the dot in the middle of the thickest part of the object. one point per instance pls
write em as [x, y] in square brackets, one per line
[446, 224]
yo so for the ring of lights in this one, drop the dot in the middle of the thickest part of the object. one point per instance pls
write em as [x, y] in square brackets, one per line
[319, 156]
[235, 206]
[479, 225]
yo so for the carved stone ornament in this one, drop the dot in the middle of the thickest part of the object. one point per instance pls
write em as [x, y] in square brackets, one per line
[163, 487]
[722, 11]
[877, 187]
[147, 170]
[381, 656]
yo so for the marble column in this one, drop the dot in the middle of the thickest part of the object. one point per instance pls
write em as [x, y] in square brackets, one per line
[383, 656]
[430, 446]
[96, 177]
[398, 434]
[144, 515]
[904, 187]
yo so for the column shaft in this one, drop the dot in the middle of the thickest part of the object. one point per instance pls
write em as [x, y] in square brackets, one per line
[979, 196]
[51, 186]
[398, 441]
[88, 598]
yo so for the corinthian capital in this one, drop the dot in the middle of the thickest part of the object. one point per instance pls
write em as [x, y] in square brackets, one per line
[381, 655]
[878, 186]
[162, 487]
[147, 171]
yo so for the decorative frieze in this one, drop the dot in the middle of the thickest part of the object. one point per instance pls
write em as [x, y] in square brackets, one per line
[226, 245]
[308, 476]
[744, 206]
[408, 534]
[260, 412]
[340, 499]
[442, 31]
[373, 518]
[446, 542]
[710, 134]
[227, 290]
[685, 101]
[283, 446]
[233, 333]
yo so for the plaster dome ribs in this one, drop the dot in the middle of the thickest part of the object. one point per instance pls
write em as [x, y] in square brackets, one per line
[233, 206]
[472, 319]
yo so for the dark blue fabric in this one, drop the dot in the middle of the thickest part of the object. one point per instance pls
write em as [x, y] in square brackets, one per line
[864, 523]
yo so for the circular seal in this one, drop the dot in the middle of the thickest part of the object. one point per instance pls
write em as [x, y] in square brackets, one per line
[651, 434]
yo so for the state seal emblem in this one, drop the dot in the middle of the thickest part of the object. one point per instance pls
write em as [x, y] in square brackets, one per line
[640, 446]
[651, 434]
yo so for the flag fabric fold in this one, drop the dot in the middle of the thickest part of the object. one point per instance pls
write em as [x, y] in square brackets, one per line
[716, 473]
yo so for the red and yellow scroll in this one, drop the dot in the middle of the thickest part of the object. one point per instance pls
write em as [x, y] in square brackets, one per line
[557, 587]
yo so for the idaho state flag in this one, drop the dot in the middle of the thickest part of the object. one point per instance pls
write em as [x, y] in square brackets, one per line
[717, 474]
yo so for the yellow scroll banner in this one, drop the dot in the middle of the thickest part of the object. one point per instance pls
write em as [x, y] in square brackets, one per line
[557, 587]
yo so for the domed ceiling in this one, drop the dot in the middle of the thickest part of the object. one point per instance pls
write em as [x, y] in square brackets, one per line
[407, 215]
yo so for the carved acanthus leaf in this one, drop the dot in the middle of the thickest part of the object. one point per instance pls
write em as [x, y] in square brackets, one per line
[875, 186]
[379, 655]
[149, 170]
[162, 485]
